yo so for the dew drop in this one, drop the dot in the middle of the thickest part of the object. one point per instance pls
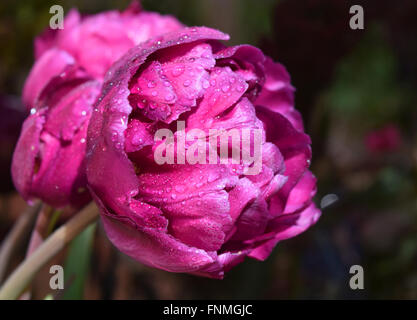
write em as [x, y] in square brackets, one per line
[212, 178]
[240, 88]
[225, 88]
[206, 84]
[177, 71]
[169, 97]
[179, 188]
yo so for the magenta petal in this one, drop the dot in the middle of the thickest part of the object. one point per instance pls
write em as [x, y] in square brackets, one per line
[61, 178]
[250, 61]
[138, 135]
[151, 245]
[243, 193]
[263, 251]
[294, 146]
[284, 227]
[242, 116]
[253, 220]
[25, 153]
[302, 193]
[49, 38]
[278, 94]
[223, 264]
[193, 199]
[73, 110]
[223, 90]
[289, 225]
[50, 65]
[154, 247]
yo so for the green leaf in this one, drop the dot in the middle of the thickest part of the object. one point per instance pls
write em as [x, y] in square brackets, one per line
[77, 264]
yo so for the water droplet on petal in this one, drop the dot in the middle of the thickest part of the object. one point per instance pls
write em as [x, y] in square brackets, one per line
[212, 178]
[225, 88]
[179, 188]
[169, 97]
[240, 88]
[177, 71]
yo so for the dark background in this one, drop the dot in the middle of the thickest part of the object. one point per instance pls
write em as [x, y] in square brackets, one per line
[356, 90]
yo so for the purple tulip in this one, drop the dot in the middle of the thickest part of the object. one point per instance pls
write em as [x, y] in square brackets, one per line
[92, 42]
[49, 159]
[198, 218]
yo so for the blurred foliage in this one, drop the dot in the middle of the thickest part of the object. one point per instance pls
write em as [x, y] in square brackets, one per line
[77, 264]
[370, 68]
[349, 83]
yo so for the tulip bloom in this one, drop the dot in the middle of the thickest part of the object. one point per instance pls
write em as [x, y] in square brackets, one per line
[91, 42]
[201, 218]
[49, 159]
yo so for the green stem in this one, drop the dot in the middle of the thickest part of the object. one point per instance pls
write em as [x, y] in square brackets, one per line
[25, 272]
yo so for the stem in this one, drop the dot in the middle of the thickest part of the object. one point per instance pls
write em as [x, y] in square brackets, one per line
[22, 276]
[16, 235]
[43, 226]
[39, 233]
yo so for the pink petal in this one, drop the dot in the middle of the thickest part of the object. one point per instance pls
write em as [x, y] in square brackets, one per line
[51, 64]
[25, 153]
[193, 198]
[278, 95]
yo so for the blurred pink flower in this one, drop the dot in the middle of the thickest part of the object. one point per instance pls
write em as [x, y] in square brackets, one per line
[198, 218]
[386, 139]
[49, 158]
[92, 42]
[48, 162]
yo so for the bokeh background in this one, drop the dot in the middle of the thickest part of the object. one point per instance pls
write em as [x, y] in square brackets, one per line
[356, 90]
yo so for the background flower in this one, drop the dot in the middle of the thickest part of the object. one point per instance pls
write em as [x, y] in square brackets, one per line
[48, 161]
[91, 42]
